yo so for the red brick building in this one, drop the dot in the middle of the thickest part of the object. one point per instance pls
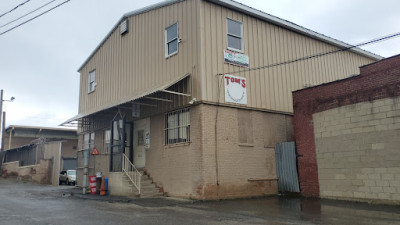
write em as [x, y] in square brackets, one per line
[347, 135]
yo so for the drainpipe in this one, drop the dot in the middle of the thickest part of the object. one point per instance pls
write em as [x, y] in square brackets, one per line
[85, 170]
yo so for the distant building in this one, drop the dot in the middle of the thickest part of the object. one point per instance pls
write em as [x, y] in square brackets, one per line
[196, 94]
[17, 136]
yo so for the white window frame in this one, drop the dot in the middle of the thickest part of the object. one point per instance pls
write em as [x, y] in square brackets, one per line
[177, 126]
[92, 83]
[166, 42]
[107, 141]
[233, 35]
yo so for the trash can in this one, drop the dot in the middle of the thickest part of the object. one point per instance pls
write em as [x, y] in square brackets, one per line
[98, 182]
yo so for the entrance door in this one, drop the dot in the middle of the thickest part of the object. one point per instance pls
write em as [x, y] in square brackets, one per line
[141, 141]
[286, 167]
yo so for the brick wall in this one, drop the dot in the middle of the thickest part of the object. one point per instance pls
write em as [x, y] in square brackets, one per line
[246, 166]
[357, 148]
[238, 163]
[376, 81]
[190, 170]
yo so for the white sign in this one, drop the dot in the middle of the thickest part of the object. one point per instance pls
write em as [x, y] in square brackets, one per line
[135, 110]
[236, 58]
[235, 89]
[147, 140]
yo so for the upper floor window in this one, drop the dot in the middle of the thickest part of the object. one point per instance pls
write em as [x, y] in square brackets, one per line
[235, 35]
[92, 81]
[171, 40]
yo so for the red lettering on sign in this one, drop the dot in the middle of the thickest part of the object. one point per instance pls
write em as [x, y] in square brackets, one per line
[227, 80]
[239, 81]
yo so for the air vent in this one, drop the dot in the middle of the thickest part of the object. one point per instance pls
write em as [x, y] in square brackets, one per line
[123, 27]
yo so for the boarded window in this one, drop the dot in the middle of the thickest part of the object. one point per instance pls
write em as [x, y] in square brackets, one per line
[245, 126]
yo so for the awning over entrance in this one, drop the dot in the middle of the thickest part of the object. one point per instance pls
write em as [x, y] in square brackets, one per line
[150, 94]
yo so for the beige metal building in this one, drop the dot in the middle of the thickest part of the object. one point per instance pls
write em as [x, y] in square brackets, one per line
[196, 94]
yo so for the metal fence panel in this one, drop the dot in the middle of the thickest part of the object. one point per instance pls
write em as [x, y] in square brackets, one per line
[286, 167]
[26, 155]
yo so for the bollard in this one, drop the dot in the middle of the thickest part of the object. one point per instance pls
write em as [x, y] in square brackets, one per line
[103, 186]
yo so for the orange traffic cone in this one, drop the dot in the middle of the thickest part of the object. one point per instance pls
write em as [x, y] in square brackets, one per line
[103, 186]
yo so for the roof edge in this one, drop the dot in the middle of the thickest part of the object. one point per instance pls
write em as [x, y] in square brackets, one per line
[127, 99]
[292, 26]
[38, 128]
[126, 15]
[250, 11]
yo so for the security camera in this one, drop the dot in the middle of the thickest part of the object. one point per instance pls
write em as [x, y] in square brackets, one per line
[12, 98]
[192, 101]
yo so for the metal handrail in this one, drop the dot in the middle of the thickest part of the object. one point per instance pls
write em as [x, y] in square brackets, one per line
[131, 172]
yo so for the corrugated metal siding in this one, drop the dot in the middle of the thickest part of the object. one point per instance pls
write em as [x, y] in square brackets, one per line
[267, 44]
[127, 65]
[286, 167]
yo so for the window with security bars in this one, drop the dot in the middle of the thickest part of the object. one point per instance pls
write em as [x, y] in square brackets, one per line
[107, 141]
[177, 127]
[88, 141]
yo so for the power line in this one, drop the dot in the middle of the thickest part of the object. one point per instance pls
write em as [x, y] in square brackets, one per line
[34, 17]
[373, 41]
[14, 8]
[27, 14]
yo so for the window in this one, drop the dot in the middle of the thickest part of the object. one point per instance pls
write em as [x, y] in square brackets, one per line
[235, 35]
[107, 142]
[177, 126]
[88, 141]
[171, 40]
[92, 81]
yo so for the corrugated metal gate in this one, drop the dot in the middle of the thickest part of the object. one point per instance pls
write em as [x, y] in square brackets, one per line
[69, 164]
[286, 167]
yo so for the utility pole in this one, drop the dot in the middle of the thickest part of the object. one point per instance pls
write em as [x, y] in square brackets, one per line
[4, 130]
[1, 118]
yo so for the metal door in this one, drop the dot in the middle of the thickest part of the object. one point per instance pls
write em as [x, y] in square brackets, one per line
[141, 128]
[286, 167]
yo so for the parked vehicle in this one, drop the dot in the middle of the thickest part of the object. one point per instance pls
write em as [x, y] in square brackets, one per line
[68, 177]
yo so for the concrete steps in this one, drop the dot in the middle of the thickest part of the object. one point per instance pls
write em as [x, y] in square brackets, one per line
[148, 188]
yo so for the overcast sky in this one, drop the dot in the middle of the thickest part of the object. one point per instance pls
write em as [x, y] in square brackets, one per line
[39, 60]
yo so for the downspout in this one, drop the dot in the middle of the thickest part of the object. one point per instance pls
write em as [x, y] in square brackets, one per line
[85, 170]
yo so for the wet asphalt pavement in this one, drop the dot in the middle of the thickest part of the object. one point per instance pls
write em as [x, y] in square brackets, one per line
[26, 203]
